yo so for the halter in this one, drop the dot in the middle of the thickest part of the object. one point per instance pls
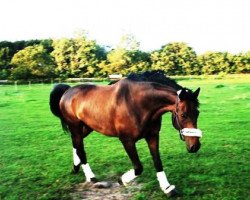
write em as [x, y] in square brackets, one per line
[176, 118]
[184, 131]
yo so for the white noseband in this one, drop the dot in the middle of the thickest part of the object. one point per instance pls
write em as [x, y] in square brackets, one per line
[191, 132]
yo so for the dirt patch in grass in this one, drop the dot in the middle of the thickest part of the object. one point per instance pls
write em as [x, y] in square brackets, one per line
[110, 191]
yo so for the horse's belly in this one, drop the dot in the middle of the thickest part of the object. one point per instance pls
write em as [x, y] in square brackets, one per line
[108, 119]
[101, 124]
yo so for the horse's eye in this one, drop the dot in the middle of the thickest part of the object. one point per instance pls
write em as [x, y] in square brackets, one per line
[184, 115]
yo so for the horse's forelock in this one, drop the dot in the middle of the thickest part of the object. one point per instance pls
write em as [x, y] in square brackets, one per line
[194, 99]
[190, 96]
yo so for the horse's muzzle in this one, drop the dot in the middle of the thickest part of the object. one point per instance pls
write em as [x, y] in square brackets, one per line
[194, 148]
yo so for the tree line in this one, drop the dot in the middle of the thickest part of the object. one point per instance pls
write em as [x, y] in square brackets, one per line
[82, 57]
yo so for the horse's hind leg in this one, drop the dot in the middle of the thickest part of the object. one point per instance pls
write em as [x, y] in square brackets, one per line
[78, 132]
[133, 155]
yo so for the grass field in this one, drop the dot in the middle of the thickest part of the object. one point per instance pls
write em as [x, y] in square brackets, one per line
[36, 156]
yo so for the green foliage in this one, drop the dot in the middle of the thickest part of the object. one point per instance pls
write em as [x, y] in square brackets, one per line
[47, 45]
[140, 61]
[77, 57]
[122, 61]
[5, 58]
[242, 63]
[176, 59]
[82, 57]
[7, 52]
[62, 53]
[32, 62]
[216, 62]
[126, 58]
[117, 60]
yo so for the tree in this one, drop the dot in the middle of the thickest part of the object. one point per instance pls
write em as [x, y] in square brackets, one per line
[47, 45]
[33, 62]
[4, 62]
[242, 62]
[139, 61]
[87, 57]
[126, 58]
[9, 49]
[176, 59]
[216, 62]
[128, 42]
[62, 53]
[77, 57]
[117, 61]
[82, 57]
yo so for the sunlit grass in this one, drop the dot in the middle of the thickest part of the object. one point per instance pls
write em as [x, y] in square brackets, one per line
[35, 154]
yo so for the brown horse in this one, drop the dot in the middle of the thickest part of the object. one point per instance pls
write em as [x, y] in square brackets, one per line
[130, 109]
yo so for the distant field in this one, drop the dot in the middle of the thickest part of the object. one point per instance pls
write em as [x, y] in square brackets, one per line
[35, 155]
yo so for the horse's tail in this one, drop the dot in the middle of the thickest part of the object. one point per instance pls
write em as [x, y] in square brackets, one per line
[55, 97]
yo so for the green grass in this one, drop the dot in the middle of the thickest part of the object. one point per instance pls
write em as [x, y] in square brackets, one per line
[36, 156]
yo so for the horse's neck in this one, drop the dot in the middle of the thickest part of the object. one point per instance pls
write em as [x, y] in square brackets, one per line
[163, 100]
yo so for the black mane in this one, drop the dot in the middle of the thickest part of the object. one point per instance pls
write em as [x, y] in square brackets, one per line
[156, 76]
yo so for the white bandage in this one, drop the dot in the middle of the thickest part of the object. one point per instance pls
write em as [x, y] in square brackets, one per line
[164, 184]
[191, 132]
[76, 159]
[88, 172]
[163, 181]
[128, 176]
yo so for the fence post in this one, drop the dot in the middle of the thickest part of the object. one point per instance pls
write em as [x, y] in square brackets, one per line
[15, 85]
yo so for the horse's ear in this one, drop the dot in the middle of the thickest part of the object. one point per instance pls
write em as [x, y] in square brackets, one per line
[196, 93]
[181, 94]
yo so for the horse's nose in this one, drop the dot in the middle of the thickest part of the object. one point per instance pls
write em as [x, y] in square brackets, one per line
[194, 148]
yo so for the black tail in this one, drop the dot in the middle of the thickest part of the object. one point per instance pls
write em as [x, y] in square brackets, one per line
[55, 97]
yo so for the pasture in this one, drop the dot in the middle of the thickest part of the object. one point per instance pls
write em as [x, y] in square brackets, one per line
[36, 156]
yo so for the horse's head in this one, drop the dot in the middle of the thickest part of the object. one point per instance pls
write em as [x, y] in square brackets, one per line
[185, 116]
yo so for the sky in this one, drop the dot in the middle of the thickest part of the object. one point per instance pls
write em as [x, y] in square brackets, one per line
[205, 25]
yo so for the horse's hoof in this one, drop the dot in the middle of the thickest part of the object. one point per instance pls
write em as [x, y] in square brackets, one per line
[75, 169]
[93, 180]
[120, 181]
[102, 184]
[171, 191]
[123, 183]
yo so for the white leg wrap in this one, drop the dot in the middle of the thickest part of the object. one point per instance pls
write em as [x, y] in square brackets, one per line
[163, 181]
[128, 176]
[88, 172]
[76, 159]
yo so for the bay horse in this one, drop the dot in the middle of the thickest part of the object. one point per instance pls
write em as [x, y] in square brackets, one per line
[129, 109]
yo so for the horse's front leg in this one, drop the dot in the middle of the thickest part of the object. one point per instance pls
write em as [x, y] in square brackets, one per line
[129, 146]
[79, 155]
[153, 144]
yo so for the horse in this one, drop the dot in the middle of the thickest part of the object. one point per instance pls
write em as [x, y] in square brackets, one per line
[129, 109]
